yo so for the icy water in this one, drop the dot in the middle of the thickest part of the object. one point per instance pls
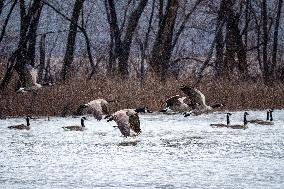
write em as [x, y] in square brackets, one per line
[171, 152]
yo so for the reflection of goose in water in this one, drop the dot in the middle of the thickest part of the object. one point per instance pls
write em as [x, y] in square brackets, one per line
[268, 121]
[98, 108]
[198, 101]
[76, 127]
[127, 119]
[22, 126]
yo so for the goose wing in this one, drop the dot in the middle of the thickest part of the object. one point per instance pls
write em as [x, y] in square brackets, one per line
[22, 126]
[122, 121]
[173, 101]
[72, 128]
[134, 123]
[195, 95]
[96, 109]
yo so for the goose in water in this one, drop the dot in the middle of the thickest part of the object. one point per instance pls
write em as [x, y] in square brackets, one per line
[76, 127]
[268, 121]
[22, 126]
[244, 126]
[176, 104]
[222, 124]
[127, 120]
[28, 78]
[198, 101]
[98, 108]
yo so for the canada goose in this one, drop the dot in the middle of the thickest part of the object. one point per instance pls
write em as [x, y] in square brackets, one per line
[127, 119]
[198, 101]
[176, 103]
[268, 120]
[22, 126]
[221, 124]
[244, 126]
[97, 107]
[76, 127]
[28, 78]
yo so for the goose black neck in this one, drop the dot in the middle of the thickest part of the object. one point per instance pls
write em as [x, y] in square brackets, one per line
[270, 115]
[267, 115]
[82, 123]
[228, 119]
[28, 121]
[245, 119]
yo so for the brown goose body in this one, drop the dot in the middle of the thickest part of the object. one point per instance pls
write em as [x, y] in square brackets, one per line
[268, 121]
[76, 127]
[128, 120]
[198, 101]
[98, 108]
[22, 126]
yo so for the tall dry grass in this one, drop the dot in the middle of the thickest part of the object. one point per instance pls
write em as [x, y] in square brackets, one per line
[52, 101]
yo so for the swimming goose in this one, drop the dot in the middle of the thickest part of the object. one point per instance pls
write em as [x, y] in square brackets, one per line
[28, 78]
[22, 126]
[176, 103]
[127, 119]
[76, 127]
[268, 120]
[244, 126]
[198, 101]
[221, 124]
[97, 107]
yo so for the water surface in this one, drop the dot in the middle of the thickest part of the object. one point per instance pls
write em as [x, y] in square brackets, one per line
[171, 152]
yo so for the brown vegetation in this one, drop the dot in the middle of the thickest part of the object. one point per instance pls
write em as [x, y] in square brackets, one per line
[53, 100]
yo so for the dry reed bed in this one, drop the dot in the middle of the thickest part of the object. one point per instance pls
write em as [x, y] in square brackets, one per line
[130, 94]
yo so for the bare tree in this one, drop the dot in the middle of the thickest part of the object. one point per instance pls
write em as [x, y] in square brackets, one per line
[162, 49]
[28, 27]
[122, 46]
[275, 37]
[70, 46]
[7, 18]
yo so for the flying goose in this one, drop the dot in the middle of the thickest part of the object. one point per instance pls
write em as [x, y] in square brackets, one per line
[268, 120]
[28, 77]
[221, 124]
[22, 126]
[97, 107]
[127, 119]
[76, 127]
[176, 103]
[244, 126]
[198, 101]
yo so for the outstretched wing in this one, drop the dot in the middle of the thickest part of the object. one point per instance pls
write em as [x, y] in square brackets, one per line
[195, 95]
[135, 123]
[28, 75]
[173, 101]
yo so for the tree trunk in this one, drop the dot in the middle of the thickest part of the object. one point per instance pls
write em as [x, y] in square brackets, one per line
[20, 57]
[7, 19]
[162, 48]
[122, 47]
[275, 38]
[71, 40]
[41, 57]
[265, 41]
